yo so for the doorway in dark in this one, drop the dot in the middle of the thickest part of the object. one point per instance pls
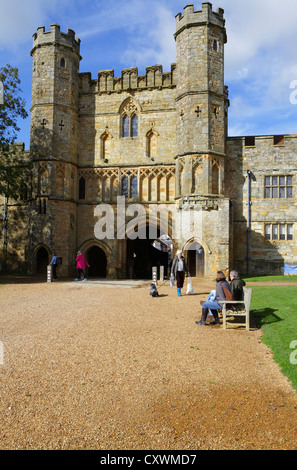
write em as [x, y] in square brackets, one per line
[97, 261]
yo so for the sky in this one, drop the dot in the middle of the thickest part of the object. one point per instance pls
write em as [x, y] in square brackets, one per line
[260, 55]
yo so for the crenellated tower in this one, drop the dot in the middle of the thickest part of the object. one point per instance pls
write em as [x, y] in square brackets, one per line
[201, 132]
[54, 141]
[201, 101]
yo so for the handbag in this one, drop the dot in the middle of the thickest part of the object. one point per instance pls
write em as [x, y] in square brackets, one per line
[172, 281]
[190, 289]
[227, 293]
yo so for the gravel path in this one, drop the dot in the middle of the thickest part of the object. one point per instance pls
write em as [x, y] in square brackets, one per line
[91, 367]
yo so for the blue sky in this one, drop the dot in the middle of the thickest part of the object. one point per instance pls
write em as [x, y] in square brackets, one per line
[260, 56]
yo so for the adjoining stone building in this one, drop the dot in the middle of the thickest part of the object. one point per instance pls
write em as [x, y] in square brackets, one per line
[154, 142]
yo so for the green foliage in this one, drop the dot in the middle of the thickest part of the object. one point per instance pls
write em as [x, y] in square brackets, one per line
[14, 166]
[274, 310]
[13, 107]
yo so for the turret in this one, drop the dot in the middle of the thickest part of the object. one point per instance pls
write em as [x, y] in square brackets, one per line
[54, 111]
[201, 101]
[54, 143]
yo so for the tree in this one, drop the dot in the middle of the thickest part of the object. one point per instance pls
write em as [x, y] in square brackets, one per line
[14, 165]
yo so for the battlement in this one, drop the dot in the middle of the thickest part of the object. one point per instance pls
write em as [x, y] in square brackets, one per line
[55, 36]
[195, 18]
[129, 80]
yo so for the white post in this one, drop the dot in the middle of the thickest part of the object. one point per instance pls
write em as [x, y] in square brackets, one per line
[154, 273]
[49, 273]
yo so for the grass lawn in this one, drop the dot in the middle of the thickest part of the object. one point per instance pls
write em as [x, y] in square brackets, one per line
[275, 311]
[270, 278]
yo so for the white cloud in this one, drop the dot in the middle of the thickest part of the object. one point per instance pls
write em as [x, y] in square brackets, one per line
[157, 46]
[19, 20]
[260, 56]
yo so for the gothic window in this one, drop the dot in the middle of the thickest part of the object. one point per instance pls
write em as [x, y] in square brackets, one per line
[129, 119]
[82, 188]
[134, 126]
[215, 179]
[62, 63]
[130, 187]
[106, 141]
[151, 145]
[126, 126]
[125, 186]
[134, 190]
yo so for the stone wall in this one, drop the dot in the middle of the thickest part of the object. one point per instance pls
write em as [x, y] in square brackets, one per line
[263, 159]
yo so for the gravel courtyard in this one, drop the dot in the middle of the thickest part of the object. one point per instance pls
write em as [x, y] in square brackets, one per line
[106, 366]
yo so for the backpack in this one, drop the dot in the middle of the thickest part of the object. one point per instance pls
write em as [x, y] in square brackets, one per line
[227, 293]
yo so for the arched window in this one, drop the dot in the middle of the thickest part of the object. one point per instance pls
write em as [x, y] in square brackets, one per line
[129, 113]
[82, 188]
[215, 179]
[134, 189]
[151, 144]
[106, 146]
[134, 126]
[125, 186]
[130, 187]
[126, 126]
[62, 63]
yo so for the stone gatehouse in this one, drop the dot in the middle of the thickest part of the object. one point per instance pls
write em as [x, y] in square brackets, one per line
[151, 141]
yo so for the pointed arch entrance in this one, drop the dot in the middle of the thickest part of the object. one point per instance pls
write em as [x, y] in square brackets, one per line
[42, 260]
[196, 259]
[98, 256]
[143, 254]
[97, 260]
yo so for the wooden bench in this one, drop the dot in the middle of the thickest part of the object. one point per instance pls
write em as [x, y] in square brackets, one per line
[245, 313]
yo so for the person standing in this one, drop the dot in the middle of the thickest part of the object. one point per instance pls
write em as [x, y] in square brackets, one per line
[54, 264]
[178, 270]
[81, 263]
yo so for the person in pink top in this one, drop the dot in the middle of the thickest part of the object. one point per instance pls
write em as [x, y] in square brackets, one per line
[81, 263]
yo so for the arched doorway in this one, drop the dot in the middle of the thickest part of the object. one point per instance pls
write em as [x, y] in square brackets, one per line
[196, 260]
[142, 255]
[97, 261]
[42, 260]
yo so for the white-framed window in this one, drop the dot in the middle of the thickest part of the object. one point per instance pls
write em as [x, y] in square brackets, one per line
[278, 232]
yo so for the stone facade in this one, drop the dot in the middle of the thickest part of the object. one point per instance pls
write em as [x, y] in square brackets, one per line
[149, 145]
